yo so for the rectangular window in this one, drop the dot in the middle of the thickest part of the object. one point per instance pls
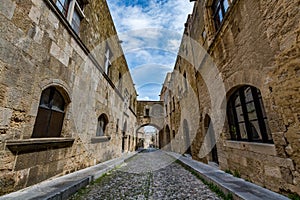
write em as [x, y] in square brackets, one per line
[220, 8]
[72, 10]
[63, 6]
[147, 112]
[76, 21]
[117, 126]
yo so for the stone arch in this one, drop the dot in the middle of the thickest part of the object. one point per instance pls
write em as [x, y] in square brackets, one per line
[149, 124]
[60, 85]
[140, 139]
[248, 77]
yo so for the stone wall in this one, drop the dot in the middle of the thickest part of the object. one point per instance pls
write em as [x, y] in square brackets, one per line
[258, 45]
[39, 49]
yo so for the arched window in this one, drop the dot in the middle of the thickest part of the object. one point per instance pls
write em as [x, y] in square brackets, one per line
[101, 126]
[247, 117]
[50, 115]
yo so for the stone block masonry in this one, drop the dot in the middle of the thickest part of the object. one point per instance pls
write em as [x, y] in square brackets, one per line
[40, 52]
[256, 45]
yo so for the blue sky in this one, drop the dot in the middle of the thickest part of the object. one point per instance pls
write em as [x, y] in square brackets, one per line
[151, 31]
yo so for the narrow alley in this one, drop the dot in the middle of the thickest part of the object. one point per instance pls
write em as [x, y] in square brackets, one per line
[149, 99]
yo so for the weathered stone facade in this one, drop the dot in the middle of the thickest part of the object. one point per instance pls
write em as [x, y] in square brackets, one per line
[256, 44]
[41, 50]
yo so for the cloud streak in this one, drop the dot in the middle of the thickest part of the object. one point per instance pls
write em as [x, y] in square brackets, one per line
[151, 31]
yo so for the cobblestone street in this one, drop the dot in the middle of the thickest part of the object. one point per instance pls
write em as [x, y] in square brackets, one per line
[149, 175]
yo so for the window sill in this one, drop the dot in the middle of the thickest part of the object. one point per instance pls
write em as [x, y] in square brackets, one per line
[38, 144]
[262, 148]
[99, 139]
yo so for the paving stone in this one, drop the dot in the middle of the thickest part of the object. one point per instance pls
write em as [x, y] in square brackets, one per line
[149, 175]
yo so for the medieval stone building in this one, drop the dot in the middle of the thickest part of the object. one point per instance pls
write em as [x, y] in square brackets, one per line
[67, 100]
[233, 99]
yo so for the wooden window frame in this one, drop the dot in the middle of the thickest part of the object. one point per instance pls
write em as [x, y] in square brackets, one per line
[72, 7]
[219, 8]
[234, 123]
[50, 110]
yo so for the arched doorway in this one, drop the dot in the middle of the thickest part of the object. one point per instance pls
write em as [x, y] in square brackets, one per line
[168, 138]
[148, 136]
[51, 112]
[124, 135]
[186, 135]
[213, 155]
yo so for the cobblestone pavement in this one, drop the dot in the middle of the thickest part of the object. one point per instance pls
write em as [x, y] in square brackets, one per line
[149, 175]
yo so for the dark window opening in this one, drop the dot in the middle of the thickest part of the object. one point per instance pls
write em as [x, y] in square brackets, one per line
[120, 82]
[147, 112]
[117, 126]
[247, 117]
[49, 120]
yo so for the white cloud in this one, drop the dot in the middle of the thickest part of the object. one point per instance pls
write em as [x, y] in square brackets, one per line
[173, 44]
[170, 14]
[146, 98]
[150, 129]
[151, 33]
[150, 73]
